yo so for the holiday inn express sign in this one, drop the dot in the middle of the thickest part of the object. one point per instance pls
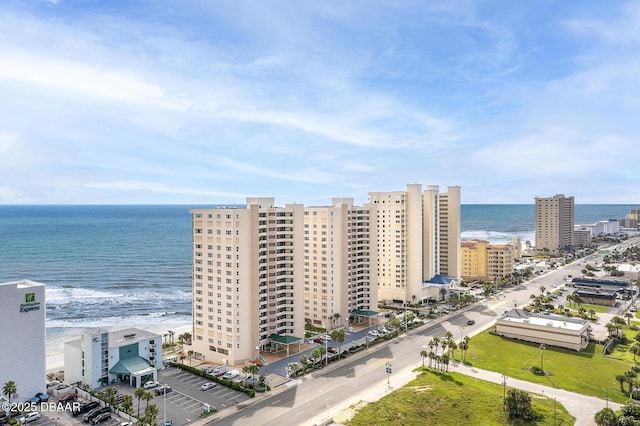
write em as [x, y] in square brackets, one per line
[30, 303]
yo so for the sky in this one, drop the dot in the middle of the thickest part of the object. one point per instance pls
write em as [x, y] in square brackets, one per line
[209, 102]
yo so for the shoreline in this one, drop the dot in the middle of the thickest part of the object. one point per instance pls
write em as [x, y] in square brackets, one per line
[54, 345]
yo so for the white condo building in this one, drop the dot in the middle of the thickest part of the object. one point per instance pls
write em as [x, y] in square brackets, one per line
[418, 238]
[340, 258]
[247, 279]
[22, 358]
[99, 357]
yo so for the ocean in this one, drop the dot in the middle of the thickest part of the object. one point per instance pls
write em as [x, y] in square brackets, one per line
[128, 265]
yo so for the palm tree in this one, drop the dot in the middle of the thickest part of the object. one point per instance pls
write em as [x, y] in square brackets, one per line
[139, 393]
[431, 356]
[336, 318]
[436, 342]
[127, 404]
[339, 335]
[453, 346]
[445, 362]
[621, 379]
[171, 333]
[628, 316]
[150, 415]
[423, 354]
[110, 397]
[444, 343]
[10, 389]
[251, 369]
[148, 396]
[592, 313]
[635, 349]
[542, 289]
[316, 354]
[303, 360]
[464, 347]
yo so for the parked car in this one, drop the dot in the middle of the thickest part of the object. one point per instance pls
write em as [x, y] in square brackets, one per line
[374, 333]
[29, 417]
[95, 413]
[351, 330]
[333, 350]
[151, 384]
[85, 408]
[325, 337]
[39, 397]
[68, 397]
[207, 386]
[101, 418]
[633, 309]
[231, 374]
[471, 322]
[163, 389]
[220, 370]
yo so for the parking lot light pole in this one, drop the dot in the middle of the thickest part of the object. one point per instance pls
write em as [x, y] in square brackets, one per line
[542, 347]
[326, 352]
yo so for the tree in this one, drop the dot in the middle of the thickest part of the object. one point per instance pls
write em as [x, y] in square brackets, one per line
[517, 405]
[621, 379]
[464, 346]
[171, 333]
[628, 316]
[127, 404]
[432, 356]
[423, 354]
[393, 322]
[110, 397]
[445, 362]
[148, 396]
[251, 369]
[339, 335]
[606, 417]
[316, 355]
[304, 361]
[10, 389]
[139, 393]
[150, 415]
[435, 341]
[336, 318]
[635, 349]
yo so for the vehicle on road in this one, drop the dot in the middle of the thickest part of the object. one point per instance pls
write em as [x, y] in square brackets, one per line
[471, 322]
[374, 333]
[208, 385]
[151, 384]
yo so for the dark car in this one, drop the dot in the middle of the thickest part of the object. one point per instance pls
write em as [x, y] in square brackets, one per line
[164, 389]
[101, 418]
[95, 413]
[85, 408]
[471, 322]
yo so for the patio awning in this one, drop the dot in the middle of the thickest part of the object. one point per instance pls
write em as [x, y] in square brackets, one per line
[364, 313]
[285, 340]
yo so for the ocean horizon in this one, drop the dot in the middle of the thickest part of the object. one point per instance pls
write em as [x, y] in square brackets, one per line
[130, 265]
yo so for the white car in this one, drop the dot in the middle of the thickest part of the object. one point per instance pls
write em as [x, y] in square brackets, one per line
[207, 386]
[325, 337]
[151, 384]
[375, 333]
[30, 417]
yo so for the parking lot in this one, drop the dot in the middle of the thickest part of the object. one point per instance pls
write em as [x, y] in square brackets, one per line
[186, 401]
[60, 418]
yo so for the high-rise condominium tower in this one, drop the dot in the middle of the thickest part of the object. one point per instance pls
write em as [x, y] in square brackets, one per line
[554, 223]
[340, 262]
[418, 237]
[247, 276]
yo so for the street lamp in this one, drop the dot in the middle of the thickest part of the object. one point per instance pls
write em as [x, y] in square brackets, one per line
[542, 347]
[504, 387]
[366, 339]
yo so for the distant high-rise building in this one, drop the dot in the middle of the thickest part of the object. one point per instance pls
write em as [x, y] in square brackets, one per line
[247, 279]
[418, 238]
[340, 262]
[554, 223]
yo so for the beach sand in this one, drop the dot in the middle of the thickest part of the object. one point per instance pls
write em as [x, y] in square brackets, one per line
[55, 345]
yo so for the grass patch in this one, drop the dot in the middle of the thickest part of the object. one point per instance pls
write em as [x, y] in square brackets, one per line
[587, 372]
[596, 308]
[441, 398]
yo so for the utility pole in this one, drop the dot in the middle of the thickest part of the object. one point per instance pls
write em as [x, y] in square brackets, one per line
[542, 347]
[504, 387]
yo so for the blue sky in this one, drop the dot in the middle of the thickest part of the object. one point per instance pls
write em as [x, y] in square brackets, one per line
[208, 102]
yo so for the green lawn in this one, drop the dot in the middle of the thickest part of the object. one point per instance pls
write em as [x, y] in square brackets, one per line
[438, 398]
[587, 372]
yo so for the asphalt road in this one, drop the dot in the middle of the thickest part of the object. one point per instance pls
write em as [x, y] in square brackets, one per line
[312, 401]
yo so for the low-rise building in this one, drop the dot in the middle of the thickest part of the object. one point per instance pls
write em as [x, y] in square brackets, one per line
[100, 357]
[551, 330]
[486, 262]
[597, 296]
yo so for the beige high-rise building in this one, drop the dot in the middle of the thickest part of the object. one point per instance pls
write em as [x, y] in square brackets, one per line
[486, 262]
[340, 262]
[247, 279]
[418, 237]
[554, 223]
